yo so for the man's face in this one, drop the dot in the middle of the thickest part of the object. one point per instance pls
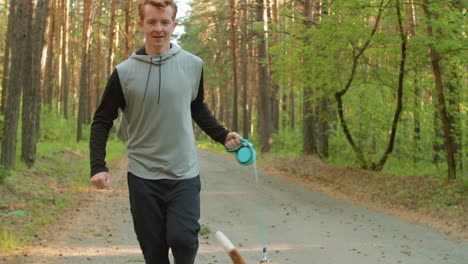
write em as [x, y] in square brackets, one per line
[158, 26]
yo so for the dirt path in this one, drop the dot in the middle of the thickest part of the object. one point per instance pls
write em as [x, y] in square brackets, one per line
[302, 226]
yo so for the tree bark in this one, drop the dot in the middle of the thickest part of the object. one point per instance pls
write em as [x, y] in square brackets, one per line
[49, 76]
[245, 72]
[128, 20]
[263, 81]
[84, 68]
[110, 48]
[57, 87]
[10, 128]
[308, 129]
[416, 120]
[322, 112]
[7, 57]
[275, 102]
[98, 76]
[27, 146]
[64, 87]
[41, 64]
[323, 127]
[89, 76]
[233, 27]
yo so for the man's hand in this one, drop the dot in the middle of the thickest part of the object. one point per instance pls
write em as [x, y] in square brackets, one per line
[232, 140]
[101, 180]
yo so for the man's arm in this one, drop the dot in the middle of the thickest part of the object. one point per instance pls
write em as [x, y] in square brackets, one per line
[106, 113]
[202, 115]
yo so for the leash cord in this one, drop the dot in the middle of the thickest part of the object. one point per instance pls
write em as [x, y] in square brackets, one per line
[260, 216]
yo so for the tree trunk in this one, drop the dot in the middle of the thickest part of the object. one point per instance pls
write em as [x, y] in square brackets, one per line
[401, 76]
[128, 19]
[454, 100]
[445, 117]
[37, 13]
[437, 144]
[292, 114]
[89, 76]
[57, 94]
[275, 102]
[245, 72]
[110, 48]
[84, 68]
[64, 88]
[10, 128]
[48, 82]
[41, 64]
[235, 117]
[263, 81]
[7, 58]
[417, 121]
[28, 147]
[308, 129]
[98, 71]
[446, 122]
[322, 112]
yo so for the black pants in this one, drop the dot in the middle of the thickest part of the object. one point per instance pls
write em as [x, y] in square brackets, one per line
[165, 215]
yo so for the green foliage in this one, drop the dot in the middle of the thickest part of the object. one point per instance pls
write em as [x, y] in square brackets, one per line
[204, 230]
[318, 60]
[210, 145]
[2, 119]
[288, 143]
[20, 213]
[58, 133]
[3, 174]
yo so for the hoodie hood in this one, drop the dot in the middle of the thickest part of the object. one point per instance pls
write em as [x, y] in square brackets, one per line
[156, 60]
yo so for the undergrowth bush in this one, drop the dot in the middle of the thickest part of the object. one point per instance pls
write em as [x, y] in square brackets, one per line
[3, 174]
[288, 143]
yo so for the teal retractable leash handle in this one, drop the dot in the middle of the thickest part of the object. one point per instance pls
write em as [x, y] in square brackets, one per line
[245, 152]
[246, 155]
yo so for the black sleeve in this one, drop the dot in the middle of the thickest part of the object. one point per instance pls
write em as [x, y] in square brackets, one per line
[202, 115]
[106, 113]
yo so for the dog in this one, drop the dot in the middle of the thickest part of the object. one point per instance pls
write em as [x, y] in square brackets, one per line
[232, 251]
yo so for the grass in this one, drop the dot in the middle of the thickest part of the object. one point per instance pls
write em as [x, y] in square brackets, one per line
[33, 197]
[204, 230]
[9, 241]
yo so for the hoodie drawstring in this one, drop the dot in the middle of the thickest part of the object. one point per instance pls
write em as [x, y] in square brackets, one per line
[149, 74]
[159, 88]
[147, 80]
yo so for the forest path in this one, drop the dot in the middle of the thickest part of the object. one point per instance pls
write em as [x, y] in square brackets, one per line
[302, 226]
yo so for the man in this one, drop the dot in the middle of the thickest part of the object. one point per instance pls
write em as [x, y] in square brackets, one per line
[160, 90]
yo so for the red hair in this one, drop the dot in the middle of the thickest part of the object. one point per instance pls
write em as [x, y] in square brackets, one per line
[158, 4]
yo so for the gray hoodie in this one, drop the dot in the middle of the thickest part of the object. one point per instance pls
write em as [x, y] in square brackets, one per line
[158, 91]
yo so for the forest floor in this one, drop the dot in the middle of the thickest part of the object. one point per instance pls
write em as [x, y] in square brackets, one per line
[96, 225]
